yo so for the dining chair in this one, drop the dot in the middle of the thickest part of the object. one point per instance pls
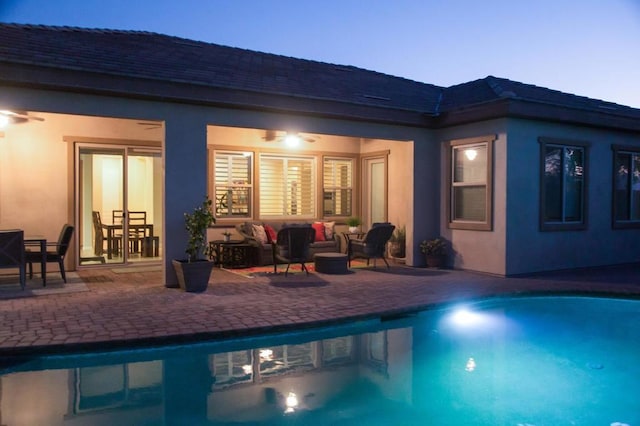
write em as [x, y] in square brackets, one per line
[137, 221]
[57, 254]
[12, 252]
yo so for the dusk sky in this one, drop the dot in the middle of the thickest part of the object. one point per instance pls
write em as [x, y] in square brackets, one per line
[585, 47]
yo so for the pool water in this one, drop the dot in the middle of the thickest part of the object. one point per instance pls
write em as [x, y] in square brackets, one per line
[517, 361]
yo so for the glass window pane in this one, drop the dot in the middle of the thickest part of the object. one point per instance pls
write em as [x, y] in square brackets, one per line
[553, 184]
[635, 188]
[573, 184]
[470, 203]
[470, 164]
[622, 187]
[337, 181]
[287, 187]
[233, 182]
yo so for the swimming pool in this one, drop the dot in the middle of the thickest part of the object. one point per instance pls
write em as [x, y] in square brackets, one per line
[516, 361]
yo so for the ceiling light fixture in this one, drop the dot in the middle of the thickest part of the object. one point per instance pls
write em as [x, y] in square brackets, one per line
[292, 140]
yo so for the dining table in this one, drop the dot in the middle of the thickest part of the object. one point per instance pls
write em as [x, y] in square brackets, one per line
[32, 240]
[113, 236]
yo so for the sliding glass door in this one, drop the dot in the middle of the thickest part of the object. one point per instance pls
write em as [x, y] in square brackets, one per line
[119, 199]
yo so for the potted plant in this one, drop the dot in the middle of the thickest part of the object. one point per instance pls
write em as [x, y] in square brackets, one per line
[193, 272]
[397, 242]
[353, 222]
[226, 235]
[435, 251]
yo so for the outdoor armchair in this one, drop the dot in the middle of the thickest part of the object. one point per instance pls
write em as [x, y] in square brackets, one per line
[373, 245]
[12, 252]
[292, 246]
[57, 254]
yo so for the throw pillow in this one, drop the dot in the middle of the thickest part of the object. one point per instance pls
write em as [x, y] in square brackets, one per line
[319, 227]
[259, 234]
[329, 230]
[271, 233]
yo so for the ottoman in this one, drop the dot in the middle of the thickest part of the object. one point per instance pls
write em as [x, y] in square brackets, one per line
[331, 263]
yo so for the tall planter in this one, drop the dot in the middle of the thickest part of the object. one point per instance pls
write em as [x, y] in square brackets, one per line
[435, 260]
[193, 277]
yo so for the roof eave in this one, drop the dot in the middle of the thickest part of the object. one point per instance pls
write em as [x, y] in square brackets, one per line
[533, 110]
[78, 81]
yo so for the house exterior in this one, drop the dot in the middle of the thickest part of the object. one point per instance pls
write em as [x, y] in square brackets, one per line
[518, 178]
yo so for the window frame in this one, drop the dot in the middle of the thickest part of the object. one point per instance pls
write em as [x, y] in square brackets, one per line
[564, 144]
[459, 144]
[313, 159]
[615, 223]
[250, 185]
[324, 188]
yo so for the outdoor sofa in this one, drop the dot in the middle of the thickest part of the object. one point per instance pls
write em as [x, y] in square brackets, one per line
[261, 234]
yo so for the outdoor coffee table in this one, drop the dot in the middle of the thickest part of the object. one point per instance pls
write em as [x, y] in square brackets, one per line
[331, 263]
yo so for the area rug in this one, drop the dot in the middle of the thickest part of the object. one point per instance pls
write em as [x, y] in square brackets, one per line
[10, 286]
[267, 270]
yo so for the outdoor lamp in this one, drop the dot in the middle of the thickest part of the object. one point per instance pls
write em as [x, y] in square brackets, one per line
[471, 154]
[292, 140]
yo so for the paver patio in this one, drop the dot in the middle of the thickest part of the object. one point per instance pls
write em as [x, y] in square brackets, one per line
[110, 309]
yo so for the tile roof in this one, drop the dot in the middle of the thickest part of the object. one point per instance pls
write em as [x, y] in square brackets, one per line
[168, 59]
[494, 88]
[161, 57]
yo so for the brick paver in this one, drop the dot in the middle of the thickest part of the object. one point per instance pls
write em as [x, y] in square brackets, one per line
[135, 309]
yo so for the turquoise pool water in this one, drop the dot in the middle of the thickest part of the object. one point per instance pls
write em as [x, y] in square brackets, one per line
[519, 361]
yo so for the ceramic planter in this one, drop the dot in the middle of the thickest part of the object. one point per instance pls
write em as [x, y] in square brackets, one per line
[193, 277]
[435, 260]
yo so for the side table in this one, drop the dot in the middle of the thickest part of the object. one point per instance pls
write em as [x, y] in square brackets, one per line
[351, 236]
[231, 254]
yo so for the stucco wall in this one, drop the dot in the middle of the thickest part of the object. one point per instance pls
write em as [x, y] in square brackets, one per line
[36, 167]
[530, 249]
[482, 251]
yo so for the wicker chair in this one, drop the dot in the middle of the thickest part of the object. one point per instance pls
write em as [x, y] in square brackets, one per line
[373, 245]
[292, 246]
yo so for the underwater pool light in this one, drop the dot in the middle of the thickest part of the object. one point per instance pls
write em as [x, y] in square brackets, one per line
[463, 317]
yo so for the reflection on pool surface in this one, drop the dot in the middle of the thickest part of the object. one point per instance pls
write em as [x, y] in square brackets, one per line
[520, 361]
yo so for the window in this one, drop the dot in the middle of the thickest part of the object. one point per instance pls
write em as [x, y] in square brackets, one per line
[287, 187]
[626, 194]
[470, 203]
[232, 184]
[337, 186]
[563, 185]
[121, 385]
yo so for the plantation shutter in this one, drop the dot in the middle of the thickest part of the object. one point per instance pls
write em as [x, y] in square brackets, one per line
[338, 186]
[233, 184]
[287, 187]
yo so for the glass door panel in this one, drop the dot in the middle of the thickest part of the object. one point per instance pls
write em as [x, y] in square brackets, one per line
[119, 199]
[374, 191]
[144, 201]
[100, 183]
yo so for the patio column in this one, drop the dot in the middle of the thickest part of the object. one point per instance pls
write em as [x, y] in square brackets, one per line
[185, 159]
